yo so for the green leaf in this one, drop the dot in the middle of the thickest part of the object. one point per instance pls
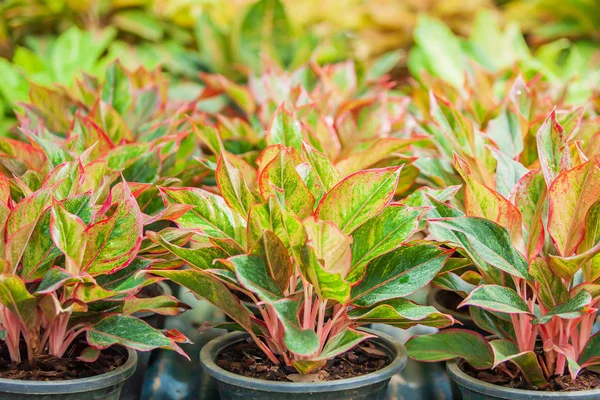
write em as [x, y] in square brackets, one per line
[492, 323]
[113, 242]
[481, 201]
[20, 225]
[54, 279]
[273, 251]
[130, 332]
[117, 90]
[452, 343]
[325, 171]
[210, 288]
[527, 362]
[453, 282]
[265, 30]
[342, 342]
[331, 246]
[382, 234]
[529, 197]
[281, 174]
[327, 285]
[551, 291]
[591, 352]
[441, 49]
[497, 298]
[68, 233]
[375, 153]
[400, 313]
[299, 341]
[575, 307]
[253, 273]
[487, 243]
[211, 214]
[571, 195]
[508, 173]
[232, 186]
[201, 258]
[128, 278]
[358, 198]
[284, 129]
[398, 274]
[40, 253]
[212, 43]
[552, 147]
[164, 305]
[15, 297]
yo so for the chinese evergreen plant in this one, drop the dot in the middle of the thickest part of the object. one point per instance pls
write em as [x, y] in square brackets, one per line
[532, 240]
[319, 254]
[71, 265]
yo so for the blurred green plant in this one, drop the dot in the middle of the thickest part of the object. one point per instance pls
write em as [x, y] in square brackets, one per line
[569, 67]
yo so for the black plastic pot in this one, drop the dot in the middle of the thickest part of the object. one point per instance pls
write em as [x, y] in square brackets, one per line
[133, 387]
[474, 389]
[372, 386]
[102, 387]
[434, 299]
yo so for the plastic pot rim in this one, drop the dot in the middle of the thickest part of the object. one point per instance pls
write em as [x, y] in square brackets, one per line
[485, 388]
[114, 377]
[215, 346]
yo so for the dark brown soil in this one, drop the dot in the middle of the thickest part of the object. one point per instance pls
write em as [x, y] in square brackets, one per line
[50, 368]
[586, 380]
[248, 360]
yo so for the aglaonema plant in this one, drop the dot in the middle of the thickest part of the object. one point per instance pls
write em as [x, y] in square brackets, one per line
[532, 240]
[319, 255]
[71, 266]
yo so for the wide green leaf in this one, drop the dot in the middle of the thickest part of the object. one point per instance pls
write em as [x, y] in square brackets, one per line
[343, 341]
[327, 285]
[253, 273]
[205, 286]
[452, 343]
[325, 171]
[331, 246]
[272, 249]
[575, 307]
[40, 253]
[285, 130]
[68, 233]
[497, 298]
[281, 174]
[210, 213]
[20, 225]
[487, 243]
[299, 341]
[358, 198]
[527, 361]
[401, 313]
[382, 234]
[551, 291]
[200, 258]
[571, 195]
[15, 297]
[113, 242]
[552, 147]
[232, 186]
[398, 274]
[130, 332]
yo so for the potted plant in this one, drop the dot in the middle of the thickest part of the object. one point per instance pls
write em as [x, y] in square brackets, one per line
[306, 241]
[71, 271]
[536, 251]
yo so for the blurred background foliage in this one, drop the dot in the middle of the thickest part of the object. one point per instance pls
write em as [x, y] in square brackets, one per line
[51, 42]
